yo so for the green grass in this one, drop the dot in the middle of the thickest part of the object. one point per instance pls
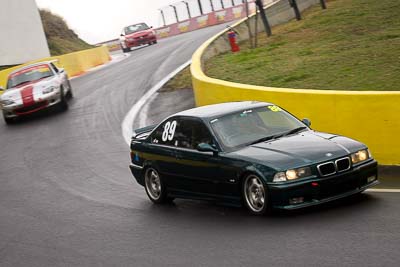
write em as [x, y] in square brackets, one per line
[181, 81]
[352, 45]
[60, 38]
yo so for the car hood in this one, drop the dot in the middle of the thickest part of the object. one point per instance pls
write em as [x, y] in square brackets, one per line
[36, 87]
[302, 149]
[138, 34]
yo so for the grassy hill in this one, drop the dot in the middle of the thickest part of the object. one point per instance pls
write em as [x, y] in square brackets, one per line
[60, 37]
[352, 45]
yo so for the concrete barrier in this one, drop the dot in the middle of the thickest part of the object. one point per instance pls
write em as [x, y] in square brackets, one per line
[371, 117]
[74, 63]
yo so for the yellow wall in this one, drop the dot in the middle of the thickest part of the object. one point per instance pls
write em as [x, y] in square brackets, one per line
[74, 63]
[370, 117]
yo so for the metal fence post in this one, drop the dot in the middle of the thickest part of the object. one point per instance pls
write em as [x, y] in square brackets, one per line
[293, 4]
[260, 5]
[323, 4]
[200, 7]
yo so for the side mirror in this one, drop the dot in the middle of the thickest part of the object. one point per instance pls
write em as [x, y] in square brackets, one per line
[306, 122]
[151, 27]
[204, 147]
[122, 34]
[1, 89]
[61, 70]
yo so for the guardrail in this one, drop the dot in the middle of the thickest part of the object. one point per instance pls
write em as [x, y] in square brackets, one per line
[372, 117]
[74, 63]
[206, 20]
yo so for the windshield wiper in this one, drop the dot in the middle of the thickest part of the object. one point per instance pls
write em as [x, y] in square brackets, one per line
[267, 138]
[295, 130]
[262, 139]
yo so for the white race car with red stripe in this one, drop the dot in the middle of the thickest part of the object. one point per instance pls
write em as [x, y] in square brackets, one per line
[33, 88]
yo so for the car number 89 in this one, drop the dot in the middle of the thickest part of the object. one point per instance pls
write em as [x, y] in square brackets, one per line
[169, 131]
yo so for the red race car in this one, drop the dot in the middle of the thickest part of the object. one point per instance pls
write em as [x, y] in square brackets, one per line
[137, 35]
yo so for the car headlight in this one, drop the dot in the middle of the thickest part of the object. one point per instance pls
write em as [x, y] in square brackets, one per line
[360, 156]
[292, 174]
[7, 102]
[49, 90]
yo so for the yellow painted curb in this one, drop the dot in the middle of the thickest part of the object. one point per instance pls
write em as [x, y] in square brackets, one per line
[371, 117]
[74, 63]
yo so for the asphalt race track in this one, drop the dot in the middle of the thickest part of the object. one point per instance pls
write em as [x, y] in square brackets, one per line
[67, 197]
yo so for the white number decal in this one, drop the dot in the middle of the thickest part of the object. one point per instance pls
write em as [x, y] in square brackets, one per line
[169, 131]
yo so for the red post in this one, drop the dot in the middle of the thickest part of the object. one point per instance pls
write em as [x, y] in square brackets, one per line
[232, 41]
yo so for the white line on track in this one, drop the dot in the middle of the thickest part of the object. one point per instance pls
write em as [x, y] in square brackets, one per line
[383, 190]
[127, 123]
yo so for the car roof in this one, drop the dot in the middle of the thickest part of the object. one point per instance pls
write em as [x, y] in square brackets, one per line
[32, 65]
[218, 110]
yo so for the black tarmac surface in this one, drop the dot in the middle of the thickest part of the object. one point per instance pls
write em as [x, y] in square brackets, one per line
[67, 197]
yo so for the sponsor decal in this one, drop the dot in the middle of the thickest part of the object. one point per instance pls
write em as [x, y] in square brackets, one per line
[275, 108]
[184, 26]
[221, 15]
[237, 12]
[163, 32]
[202, 21]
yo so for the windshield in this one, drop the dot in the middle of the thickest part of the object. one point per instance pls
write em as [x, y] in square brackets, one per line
[254, 125]
[28, 75]
[136, 28]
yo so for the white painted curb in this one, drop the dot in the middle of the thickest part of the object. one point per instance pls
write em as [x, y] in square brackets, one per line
[383, 190]
[127, 123]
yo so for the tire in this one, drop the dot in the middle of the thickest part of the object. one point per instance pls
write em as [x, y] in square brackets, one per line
[255, 195]
[126, 50]
[69, 95]
[154, 186]
[63, 105]
[8, 121]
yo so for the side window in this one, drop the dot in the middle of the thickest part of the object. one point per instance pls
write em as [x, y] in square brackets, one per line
[54, 67]
[166, 133]
[192, 133]
[182, 132]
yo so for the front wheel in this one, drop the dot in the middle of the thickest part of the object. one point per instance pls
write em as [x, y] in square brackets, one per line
[154, 186]
[70, 95]
[8, 120]
[63, 105]
[255, 195]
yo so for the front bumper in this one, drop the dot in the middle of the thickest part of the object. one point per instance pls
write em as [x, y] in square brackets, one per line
[140, 41]
[42, 103]
[310, 192]
[137, 172]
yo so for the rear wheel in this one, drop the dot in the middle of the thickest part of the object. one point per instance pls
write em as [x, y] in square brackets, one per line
[255, 195]
[154, 186]
[126, 50]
